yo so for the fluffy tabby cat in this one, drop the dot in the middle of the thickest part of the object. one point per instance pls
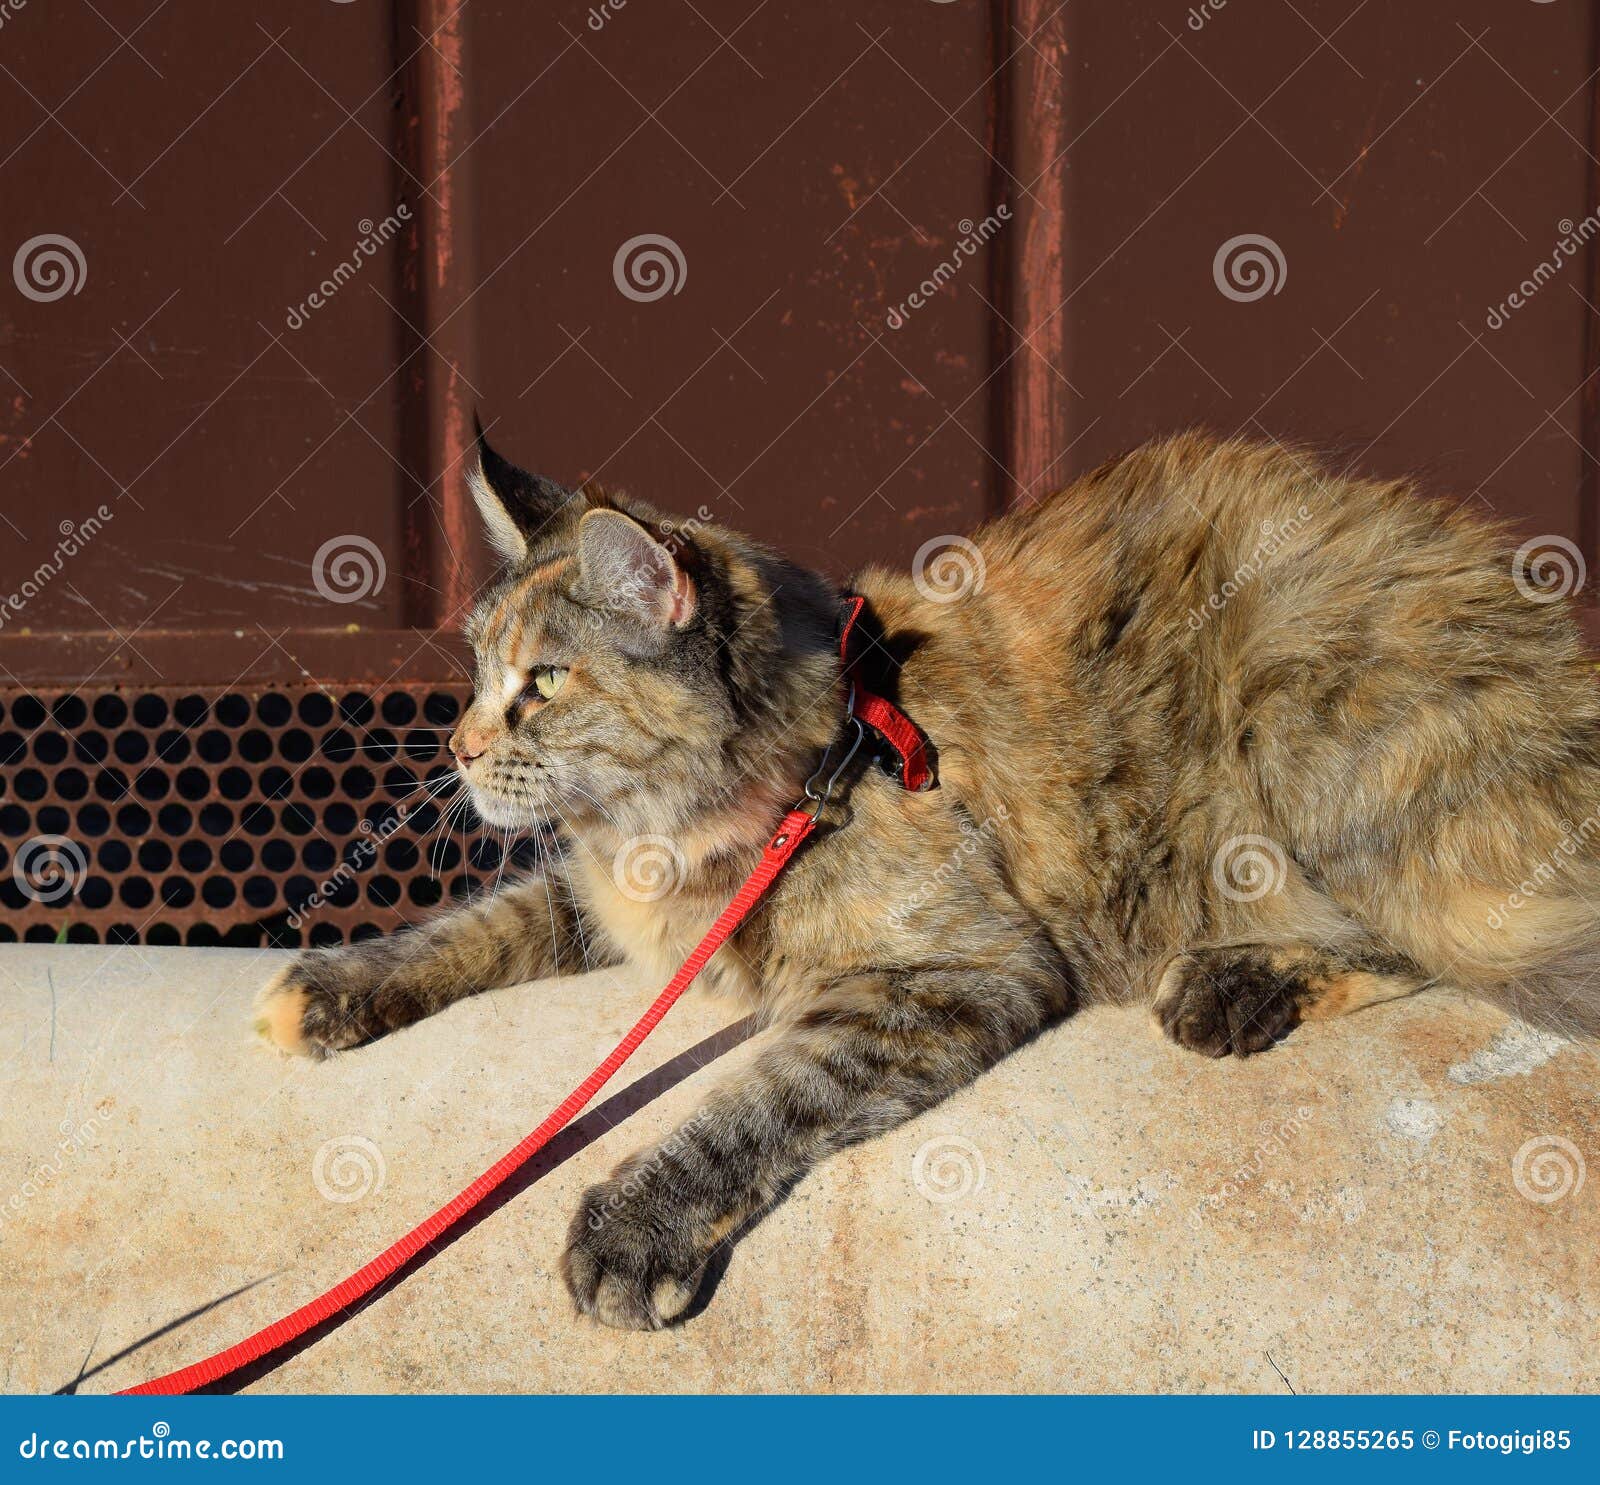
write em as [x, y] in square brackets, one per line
[1254, 788]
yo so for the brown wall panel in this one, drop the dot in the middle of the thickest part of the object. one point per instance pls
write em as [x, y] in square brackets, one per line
[812, 172]
[1412, 164]
[810, 169]
[1062, 178]
[806, 165]
[210, 178]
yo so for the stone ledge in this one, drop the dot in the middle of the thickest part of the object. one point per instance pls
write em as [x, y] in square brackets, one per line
[1104, 1212]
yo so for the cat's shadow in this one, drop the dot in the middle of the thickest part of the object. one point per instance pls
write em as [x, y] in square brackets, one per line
[572, 1140]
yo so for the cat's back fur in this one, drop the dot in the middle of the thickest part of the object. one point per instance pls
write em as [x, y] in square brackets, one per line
[1216, 693]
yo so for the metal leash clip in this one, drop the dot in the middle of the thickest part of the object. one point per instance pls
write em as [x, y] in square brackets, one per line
[816, 800]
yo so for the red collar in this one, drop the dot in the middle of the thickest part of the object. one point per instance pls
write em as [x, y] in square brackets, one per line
[867, 708]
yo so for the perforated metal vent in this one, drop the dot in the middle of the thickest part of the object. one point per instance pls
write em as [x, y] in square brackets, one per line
[286, 816]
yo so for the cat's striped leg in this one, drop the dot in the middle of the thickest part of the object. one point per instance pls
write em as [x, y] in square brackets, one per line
[872, 1051]
[1242, 998]
[327, 1000]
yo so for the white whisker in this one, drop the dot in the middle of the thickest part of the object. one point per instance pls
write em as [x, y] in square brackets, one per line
[577, 916]
[434, 787]
[555, 931]
[436, 850]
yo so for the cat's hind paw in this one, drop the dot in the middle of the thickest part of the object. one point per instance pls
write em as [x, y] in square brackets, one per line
[1217, 1003]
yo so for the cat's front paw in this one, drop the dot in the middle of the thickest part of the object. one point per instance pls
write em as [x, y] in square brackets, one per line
[634, 1260]
[301, 1011]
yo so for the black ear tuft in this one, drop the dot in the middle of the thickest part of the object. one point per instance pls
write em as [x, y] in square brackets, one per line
[516, 506]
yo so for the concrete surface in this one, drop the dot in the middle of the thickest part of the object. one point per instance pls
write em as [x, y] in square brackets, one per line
[1365, 1207]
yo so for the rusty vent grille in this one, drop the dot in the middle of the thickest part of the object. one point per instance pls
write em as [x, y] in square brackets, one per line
[282, 816]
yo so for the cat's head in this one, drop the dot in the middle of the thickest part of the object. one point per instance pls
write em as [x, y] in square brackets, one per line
[634, 672]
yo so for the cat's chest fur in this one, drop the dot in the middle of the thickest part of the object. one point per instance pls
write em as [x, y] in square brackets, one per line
[657, 933]
[655, 895]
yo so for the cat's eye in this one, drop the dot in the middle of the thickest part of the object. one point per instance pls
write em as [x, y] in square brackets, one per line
[547, 679]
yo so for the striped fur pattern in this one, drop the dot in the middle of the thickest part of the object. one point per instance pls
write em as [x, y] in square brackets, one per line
[1218, 729]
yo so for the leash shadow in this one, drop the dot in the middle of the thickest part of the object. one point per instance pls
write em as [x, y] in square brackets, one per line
[572, 1140]
[86, 1371]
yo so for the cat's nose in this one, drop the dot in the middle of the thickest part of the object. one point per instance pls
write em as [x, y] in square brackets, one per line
[468, 743]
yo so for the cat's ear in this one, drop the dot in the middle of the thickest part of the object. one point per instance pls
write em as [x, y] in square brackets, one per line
[629, 572]
[515, 505]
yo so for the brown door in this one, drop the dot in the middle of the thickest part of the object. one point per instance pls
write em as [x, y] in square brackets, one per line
[851, 280]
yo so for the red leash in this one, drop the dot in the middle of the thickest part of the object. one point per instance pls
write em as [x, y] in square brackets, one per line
[865, 708]
[797, 825]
